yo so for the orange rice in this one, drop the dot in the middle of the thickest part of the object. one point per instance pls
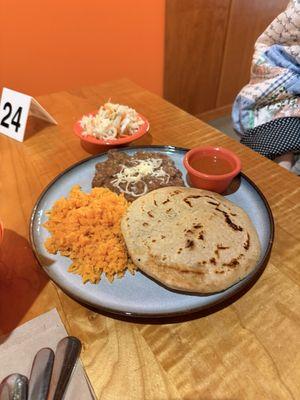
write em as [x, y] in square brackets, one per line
[86, 228]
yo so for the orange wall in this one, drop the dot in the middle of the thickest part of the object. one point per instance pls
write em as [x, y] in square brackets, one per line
[52, 45]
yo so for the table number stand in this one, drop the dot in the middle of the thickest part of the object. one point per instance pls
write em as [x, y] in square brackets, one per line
[15, 107]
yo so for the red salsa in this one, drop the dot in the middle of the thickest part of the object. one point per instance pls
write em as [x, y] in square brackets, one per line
[211, 165]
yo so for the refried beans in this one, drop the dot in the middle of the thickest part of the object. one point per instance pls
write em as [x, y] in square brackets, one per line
[136, 175]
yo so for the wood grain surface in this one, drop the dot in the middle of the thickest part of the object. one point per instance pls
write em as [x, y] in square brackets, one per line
[215, 113]
[247, 349]
[195, 34]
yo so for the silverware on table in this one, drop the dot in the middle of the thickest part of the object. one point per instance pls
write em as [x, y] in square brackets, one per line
[66, 355]
[40, 375]
[14, 387]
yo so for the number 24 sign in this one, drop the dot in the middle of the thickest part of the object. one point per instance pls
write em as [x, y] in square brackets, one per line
[15, 120]
[14, 110]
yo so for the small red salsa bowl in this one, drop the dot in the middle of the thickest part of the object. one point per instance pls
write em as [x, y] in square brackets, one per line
[211, 168]
[143, 129]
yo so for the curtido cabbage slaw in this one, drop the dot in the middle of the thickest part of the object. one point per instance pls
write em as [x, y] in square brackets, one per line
[112, 121]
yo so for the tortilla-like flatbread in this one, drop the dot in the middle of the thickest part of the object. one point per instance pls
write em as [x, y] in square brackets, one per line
[190, 239]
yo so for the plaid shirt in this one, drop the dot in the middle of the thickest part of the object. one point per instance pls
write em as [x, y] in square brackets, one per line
[274, 87]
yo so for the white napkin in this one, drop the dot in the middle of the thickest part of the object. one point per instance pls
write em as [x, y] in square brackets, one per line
[19, 347]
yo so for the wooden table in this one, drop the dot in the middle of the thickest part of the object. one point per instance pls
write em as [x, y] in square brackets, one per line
[248, 350]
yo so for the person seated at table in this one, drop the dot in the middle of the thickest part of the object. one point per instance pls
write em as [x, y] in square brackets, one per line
[266, 112]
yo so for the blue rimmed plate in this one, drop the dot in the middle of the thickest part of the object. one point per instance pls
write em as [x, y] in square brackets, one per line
[138, 295]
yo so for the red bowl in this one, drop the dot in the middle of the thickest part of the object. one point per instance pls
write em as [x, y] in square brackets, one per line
[143, 129]
[215, 183]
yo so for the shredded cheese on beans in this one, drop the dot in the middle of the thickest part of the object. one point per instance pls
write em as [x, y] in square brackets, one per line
[130, 176]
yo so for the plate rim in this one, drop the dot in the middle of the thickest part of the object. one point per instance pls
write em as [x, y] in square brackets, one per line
[248, 278]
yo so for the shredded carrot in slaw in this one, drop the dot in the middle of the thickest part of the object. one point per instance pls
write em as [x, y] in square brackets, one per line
[86, 228]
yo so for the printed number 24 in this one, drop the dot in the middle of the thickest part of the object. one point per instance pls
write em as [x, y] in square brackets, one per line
[15, 119]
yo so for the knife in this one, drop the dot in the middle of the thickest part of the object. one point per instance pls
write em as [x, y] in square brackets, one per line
[66, 355]
[14, 387]
[40, 375]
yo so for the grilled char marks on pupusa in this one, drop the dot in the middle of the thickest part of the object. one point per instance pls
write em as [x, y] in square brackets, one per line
[201, 251]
